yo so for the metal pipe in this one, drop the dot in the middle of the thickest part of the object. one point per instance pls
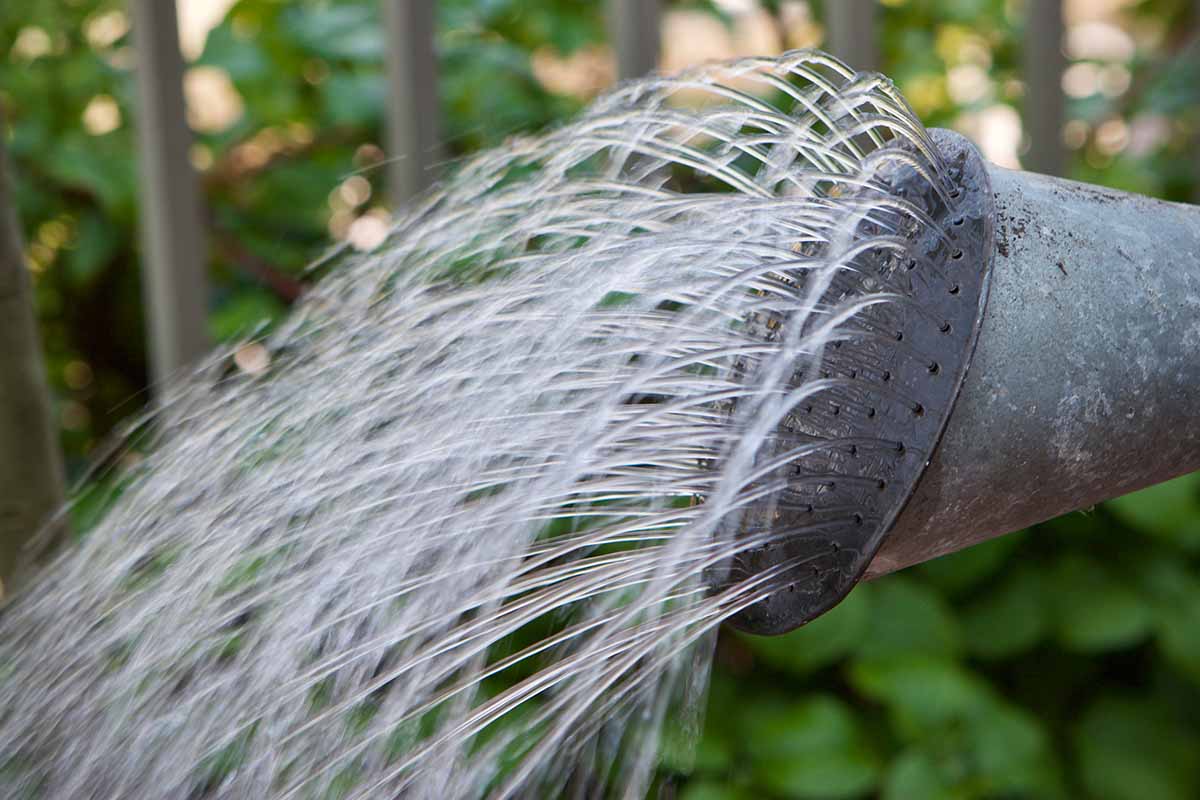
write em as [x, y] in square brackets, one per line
[1085, 383]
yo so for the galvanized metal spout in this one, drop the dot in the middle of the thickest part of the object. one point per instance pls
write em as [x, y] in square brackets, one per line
[1085, 383]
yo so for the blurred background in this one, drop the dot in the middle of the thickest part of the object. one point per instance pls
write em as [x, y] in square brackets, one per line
[1058, 662]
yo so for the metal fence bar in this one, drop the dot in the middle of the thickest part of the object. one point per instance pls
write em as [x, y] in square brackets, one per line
[635, 29]
[853, 33]
[1196, 135]
[1045, 103]
[175, 250]
[31, 469]
[414, 110]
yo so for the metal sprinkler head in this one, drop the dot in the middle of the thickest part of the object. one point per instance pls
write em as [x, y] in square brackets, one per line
[1043, 360]
[888, 383]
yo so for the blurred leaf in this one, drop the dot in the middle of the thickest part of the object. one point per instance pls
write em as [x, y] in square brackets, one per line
[715, 752]
[970, 12]
[962, 570]
[812, 748]
[1131, 750]
[1011, 753]
[96, 242]
[825, 640]
[354, 99]
[1170, 511]
[1009, 618]
[909, 617]
[921, 691]
[782, 730]
[89, 505]
[490, 93]
[243, 313]
[1095, 609]
[1174, 89]
[916, 774]
[351, 32]
[240, 56]
[1175, 591]
[713, 791]
[82, 163]
[849, 772]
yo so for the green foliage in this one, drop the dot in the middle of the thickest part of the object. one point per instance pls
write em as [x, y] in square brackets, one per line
[1130, 749]
[1062, 662]
[309, 76]
[1009, 617]
[813, 747]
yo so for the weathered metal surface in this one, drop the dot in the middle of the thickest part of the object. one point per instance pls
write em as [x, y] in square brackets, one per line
[893, 378]
[1086, 380]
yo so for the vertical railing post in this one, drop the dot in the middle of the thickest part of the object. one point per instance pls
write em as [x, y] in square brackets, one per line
[853, 35]
[1045, 103]
[1196, 135]
[413, 107]
[31, 471]
[175, 253]
[635, 30]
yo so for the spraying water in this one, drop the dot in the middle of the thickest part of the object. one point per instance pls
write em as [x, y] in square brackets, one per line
[469, 533]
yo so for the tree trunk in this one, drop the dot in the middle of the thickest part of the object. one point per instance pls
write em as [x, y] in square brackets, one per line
[31, 472]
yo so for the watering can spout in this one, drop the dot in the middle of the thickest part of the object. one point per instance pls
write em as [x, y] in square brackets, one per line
[1079, 381]
[1085, 382]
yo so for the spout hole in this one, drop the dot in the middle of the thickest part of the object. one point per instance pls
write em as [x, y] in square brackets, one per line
[912, 264]
[918, 410]
[858, 519]
[959, 221]
[887, 376]
[934, 368]
[945, 327]
[954, 289]
[957, 255]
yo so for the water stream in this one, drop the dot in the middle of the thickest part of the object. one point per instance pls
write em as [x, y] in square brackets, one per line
[467, 533]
